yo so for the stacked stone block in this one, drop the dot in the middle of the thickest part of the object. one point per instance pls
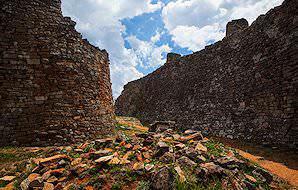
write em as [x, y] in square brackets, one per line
[243, 87]
[54, 86]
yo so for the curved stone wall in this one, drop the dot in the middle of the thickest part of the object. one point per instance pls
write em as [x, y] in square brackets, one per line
[54, 86]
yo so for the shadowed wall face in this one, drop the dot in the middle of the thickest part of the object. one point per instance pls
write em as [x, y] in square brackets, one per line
[243, 87]
[54, 86]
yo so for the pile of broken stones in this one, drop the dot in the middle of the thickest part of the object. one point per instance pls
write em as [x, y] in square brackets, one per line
[160, 159]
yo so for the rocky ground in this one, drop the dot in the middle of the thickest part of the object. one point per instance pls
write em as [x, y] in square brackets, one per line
[135, 158]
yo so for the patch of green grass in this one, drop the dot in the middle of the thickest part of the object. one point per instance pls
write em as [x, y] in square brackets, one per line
[3, 184]
[214, 148]
[192, 183]
[7, 157]
[115, 169]
[139, 116]
[188, 186]
[72, 187]
[116, 186]
[93, 171]
[95, 176]
[87, 149]
[143, 185]
[77, 155]
[16, 184]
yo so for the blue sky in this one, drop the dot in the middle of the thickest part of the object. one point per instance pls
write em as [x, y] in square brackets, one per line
[146, 26]
[138, 34]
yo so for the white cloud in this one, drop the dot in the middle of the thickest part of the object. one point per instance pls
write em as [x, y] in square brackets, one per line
[123, 74]
[99, 21]
[147, 52]
[156, 37]
[193, 23]
[195, 38]
[251, 11]
[190, 13]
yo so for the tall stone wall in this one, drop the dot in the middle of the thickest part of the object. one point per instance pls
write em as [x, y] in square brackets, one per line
[54, 86]
[243, 87]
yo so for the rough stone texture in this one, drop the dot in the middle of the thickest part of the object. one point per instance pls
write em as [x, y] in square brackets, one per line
[54, 86]
[243, 87]
[236, 26]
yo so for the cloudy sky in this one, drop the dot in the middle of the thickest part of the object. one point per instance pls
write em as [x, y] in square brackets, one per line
[139, 33]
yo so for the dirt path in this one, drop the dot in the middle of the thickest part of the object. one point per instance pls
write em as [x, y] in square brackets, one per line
[290, 175]
[280, 161]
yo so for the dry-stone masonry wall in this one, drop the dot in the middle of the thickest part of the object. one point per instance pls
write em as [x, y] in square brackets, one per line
[236, 26]
[243, 87]
[54, 86]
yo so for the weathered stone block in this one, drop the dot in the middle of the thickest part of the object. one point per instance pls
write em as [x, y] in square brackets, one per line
[235, 26]
[48, 73]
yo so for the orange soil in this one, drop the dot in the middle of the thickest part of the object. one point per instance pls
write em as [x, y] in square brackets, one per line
[134, 124]
[278, 169]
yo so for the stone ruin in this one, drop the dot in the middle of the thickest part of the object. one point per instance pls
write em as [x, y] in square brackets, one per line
[235, 26]
[243, 87]
[54, 86]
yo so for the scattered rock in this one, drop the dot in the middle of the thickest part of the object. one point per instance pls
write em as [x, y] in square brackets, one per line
[146, 155]
[52, 179]
[123, 162]
[100, 153]
[236, 185]
[107, 142]
[176, 136]
[7, 179]
[162, 180]
[104, 159]
[211, 168]
[56, 173]
[250, 178]
[185, 161]
[249, 185]
[148, 167]
[190, 131]
[160, 126]
[196, 136]
[138, 166]
[148, 141]
[201, 147]
[180, 145]
[48, 186]
[201, 158]
[51, 159]
[161, 162]
[263, 175]
[181, 175]
[114, 160]
[128, 146]
[136, 147]
[167, 158]
[32, 181]
[78, 150]
[126, 156]
[162, 148]
[229, 162]
[76, 161]
[162, 144]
